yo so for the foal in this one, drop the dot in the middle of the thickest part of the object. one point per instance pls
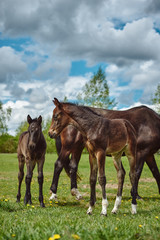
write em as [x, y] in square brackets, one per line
[31, 150]
[102, 136]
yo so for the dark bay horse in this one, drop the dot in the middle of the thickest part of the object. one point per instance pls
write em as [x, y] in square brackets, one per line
[31, 150]
[147, 125]
[102, 136]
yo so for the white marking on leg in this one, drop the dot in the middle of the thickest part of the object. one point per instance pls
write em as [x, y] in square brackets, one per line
[104, 207]
[117, 204]
[53, 197]
[89, 211]
[134, 209]
[75, 192]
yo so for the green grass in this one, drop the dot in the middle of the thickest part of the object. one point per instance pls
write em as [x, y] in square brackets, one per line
[68, 217]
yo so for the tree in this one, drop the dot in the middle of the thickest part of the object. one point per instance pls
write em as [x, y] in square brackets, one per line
[95, 93]
[4, 116]
[21, 128]
[156, 99]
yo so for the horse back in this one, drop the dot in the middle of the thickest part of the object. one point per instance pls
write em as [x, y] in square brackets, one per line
[22, 143]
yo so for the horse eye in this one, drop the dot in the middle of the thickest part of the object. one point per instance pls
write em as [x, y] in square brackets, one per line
[55, 117]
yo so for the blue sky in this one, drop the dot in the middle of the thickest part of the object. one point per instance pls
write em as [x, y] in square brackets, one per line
[52, 48]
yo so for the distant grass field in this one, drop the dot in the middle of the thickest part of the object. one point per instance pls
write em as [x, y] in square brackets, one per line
[67, 217]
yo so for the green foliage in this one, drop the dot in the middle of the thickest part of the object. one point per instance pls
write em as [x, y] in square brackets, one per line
[8, 143]
[4, 116]
[156, 99]
[67, 216]
[96, 92]
[50, 142]
[22, 128]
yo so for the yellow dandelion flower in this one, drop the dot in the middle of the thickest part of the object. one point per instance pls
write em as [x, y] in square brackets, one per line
[6, 200]
[51, 238]
[124, 214]
[116, 228]
[56, 236]
[56, 202]
[13, 235]
[140, 226]
[156, 217]
[75, 236]
[28, 205]
[50, 201]
[32, 206]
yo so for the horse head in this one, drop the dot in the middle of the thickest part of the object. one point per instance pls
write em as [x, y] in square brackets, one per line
[59, 119]
[34, 131]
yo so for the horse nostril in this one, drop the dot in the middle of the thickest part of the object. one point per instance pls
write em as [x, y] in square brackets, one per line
[32, 147]
[51, 134]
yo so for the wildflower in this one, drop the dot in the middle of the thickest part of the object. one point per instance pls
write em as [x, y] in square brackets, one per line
[32, 206]
[28, 205]
[116, 228]
[140, 226]
[13, 235]
[124, 214]
[56, 202]
[6, 200]
[50, 201]
[75, 236]
[156, 217]
[56, 236]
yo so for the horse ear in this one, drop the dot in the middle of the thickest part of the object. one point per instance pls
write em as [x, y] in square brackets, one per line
[40, 119]
[57, 103]
[29, 119]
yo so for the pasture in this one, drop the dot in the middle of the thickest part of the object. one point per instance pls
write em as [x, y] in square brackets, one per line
[67, 217]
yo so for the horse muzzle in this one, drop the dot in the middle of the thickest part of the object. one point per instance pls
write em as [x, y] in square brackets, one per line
[52, 134]
[32, 146]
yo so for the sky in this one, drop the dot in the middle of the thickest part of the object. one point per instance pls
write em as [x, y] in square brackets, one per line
[51, 48]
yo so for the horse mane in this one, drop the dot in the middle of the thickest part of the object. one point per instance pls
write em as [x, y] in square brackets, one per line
[84, 108]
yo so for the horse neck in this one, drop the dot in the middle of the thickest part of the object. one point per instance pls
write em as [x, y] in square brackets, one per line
[81, 118]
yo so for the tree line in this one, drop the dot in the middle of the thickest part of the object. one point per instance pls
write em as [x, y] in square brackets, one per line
[95, 93]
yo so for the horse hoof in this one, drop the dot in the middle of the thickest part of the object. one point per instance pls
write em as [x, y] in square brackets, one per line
[53, 197]
[139, 197]
[103, 214]
[76, 193]
[89, 213]
[42, 205]
[114, 212]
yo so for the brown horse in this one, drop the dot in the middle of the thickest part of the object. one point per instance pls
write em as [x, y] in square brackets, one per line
[147, 125]
[31, 150]
[102, 136]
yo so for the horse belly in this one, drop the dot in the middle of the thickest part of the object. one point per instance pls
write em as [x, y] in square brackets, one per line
[116, 146]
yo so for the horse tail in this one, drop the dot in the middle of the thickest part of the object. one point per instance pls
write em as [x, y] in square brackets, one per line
[67, 160]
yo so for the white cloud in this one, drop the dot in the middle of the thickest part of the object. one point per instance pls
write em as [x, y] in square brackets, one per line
[11, 65]
[119, 33]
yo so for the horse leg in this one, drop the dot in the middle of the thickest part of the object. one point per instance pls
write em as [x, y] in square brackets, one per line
[120, 176]
[93, 180]
[21, 161]
[139, 166]
[73, 171]
[102, 180]
[28, 179]
[59, 164]
[133, 178]
[150, 160]
[40, 180]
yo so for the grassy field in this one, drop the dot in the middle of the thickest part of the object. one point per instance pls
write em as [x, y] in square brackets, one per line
[67, 217]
